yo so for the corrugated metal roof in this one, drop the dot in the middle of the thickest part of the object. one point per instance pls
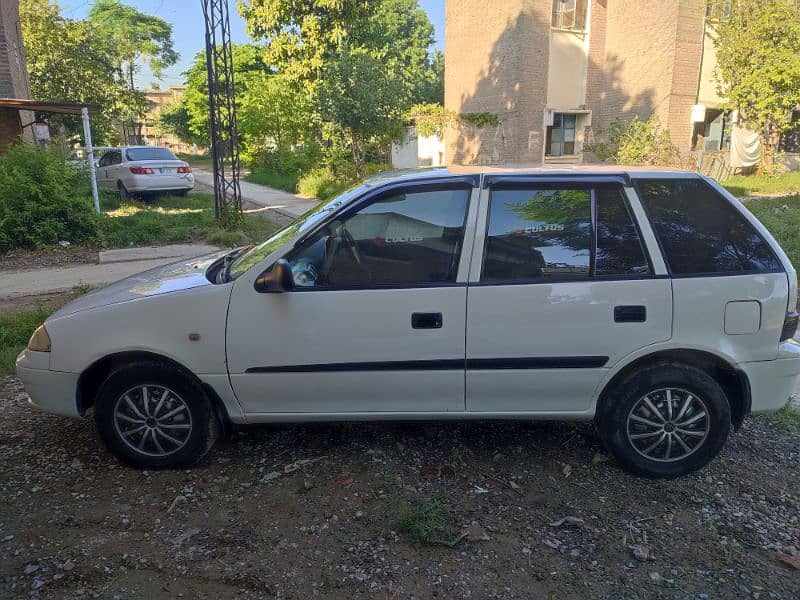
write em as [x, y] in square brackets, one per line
[50, 107]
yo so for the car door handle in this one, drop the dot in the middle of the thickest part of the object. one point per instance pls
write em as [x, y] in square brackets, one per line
[630, 314]
[426, 320]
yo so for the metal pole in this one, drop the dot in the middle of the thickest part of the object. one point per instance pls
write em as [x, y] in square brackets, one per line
[87, 134]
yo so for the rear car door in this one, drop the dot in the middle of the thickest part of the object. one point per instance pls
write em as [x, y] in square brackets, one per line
[561, 287]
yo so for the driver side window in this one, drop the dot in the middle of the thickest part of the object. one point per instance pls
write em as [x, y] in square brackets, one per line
[400, 239]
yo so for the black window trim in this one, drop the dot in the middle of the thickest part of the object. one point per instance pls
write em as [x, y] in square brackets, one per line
[467, 184]
[584, 182]
[664, 257]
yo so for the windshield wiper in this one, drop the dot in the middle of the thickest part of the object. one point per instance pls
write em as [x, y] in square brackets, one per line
[224, 274]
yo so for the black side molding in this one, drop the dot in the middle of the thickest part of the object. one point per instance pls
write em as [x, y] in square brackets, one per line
[449, 364]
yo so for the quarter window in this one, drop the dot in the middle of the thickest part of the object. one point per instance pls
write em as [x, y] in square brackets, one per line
[538, 233]
[561, 136]
[402, 239]
[701, 232]
[619, 247]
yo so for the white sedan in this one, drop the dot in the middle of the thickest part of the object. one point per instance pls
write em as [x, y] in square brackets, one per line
[143, 170]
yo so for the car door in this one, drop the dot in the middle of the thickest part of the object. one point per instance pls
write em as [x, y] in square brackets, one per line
[376, 320]
[101, 172]
[562, 287]
[113, 173]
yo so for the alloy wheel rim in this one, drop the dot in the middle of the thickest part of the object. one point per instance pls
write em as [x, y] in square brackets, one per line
[668, 424]
[152, 420]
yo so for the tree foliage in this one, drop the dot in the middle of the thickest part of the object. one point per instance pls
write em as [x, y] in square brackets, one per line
[758, 66]
[139, 38]
[71, 61]
[636, 142]
[361, 64]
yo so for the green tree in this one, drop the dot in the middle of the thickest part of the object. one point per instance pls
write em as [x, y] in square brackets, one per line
[361, 101]
[139, 38]
[636, 142]
[71, 61]
[362, 63]
[758, 67]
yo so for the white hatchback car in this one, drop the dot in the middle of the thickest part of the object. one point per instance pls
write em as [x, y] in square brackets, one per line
[653, 303]
[143, 170]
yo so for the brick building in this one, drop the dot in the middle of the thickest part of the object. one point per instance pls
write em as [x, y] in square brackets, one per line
[13, 75]
[558, 71]
[152, 134]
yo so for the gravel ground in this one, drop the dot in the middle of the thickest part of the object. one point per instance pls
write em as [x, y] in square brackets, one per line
[338, 511]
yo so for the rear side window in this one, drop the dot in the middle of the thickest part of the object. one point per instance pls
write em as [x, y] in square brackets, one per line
[535, 234]
[538, 233]
[154, 153]
[701, 232]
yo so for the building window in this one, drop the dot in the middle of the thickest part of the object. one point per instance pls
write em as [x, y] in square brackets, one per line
[561, 136]
[718, 10]
[569, 14]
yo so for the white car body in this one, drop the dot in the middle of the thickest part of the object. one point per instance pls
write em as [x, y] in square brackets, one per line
[143, 169]
[502, 350]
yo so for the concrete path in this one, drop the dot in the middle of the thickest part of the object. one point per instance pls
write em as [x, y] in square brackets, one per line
[175, 251]
[15, 284]
[277, 205]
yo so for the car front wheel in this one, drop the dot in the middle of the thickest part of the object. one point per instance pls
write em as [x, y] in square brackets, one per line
[665, 420]
[152, 415]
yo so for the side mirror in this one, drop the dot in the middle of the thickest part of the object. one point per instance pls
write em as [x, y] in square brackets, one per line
[277, 279]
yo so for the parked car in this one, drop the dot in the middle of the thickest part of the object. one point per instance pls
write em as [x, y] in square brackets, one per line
[143, 170]
[651, 302]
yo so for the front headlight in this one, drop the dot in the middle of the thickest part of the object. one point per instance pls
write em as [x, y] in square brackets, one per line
[40, 340]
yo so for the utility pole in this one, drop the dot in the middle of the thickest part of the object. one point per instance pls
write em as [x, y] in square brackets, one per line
[222, 113]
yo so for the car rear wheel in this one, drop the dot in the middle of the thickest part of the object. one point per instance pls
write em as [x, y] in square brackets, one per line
[123, 191]
[665, 420]
[152, 415]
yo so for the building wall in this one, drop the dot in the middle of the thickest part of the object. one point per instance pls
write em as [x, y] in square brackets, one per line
[13, 74]
[418, 151]
[639, 57]
[496, 62]
[158, 100]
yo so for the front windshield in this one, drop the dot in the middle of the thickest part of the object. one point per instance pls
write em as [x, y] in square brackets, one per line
[303, 223]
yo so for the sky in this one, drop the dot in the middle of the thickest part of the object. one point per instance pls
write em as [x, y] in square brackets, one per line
[186, 17]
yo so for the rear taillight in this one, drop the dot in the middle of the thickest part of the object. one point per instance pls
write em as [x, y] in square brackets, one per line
[141, 170]
[789, 325]
[186, 169]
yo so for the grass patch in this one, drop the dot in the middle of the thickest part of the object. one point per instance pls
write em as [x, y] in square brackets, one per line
[782, 217]
[787, 418]
[173, 220]
[280, 181]
[196, 160]
[16, 329]
[748, 185]
[425, 523]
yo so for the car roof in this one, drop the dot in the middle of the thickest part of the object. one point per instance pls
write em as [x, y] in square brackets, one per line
[425, 173]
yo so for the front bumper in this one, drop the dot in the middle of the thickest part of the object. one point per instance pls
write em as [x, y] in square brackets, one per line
[772, 382]
[50, 391]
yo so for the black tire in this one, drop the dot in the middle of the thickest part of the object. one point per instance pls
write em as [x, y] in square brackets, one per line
[652, 382]
[187, 394]
[123, 192]
[181, 193]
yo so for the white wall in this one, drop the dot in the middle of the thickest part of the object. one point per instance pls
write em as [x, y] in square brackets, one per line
[418, 151]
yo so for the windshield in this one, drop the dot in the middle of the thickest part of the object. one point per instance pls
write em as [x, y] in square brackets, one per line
[299, 225]
[153, 153]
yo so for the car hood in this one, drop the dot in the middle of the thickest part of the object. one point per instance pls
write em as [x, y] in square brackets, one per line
[174, 277]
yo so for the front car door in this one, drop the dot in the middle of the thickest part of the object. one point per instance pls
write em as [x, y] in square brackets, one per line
[561, 287]
[376, 321]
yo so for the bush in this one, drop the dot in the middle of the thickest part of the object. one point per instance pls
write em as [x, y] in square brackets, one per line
[43, 200]
[636, 142]
[325, 183]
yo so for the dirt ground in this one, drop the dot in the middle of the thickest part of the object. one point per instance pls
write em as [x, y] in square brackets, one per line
[44, 259]
[338, 511]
